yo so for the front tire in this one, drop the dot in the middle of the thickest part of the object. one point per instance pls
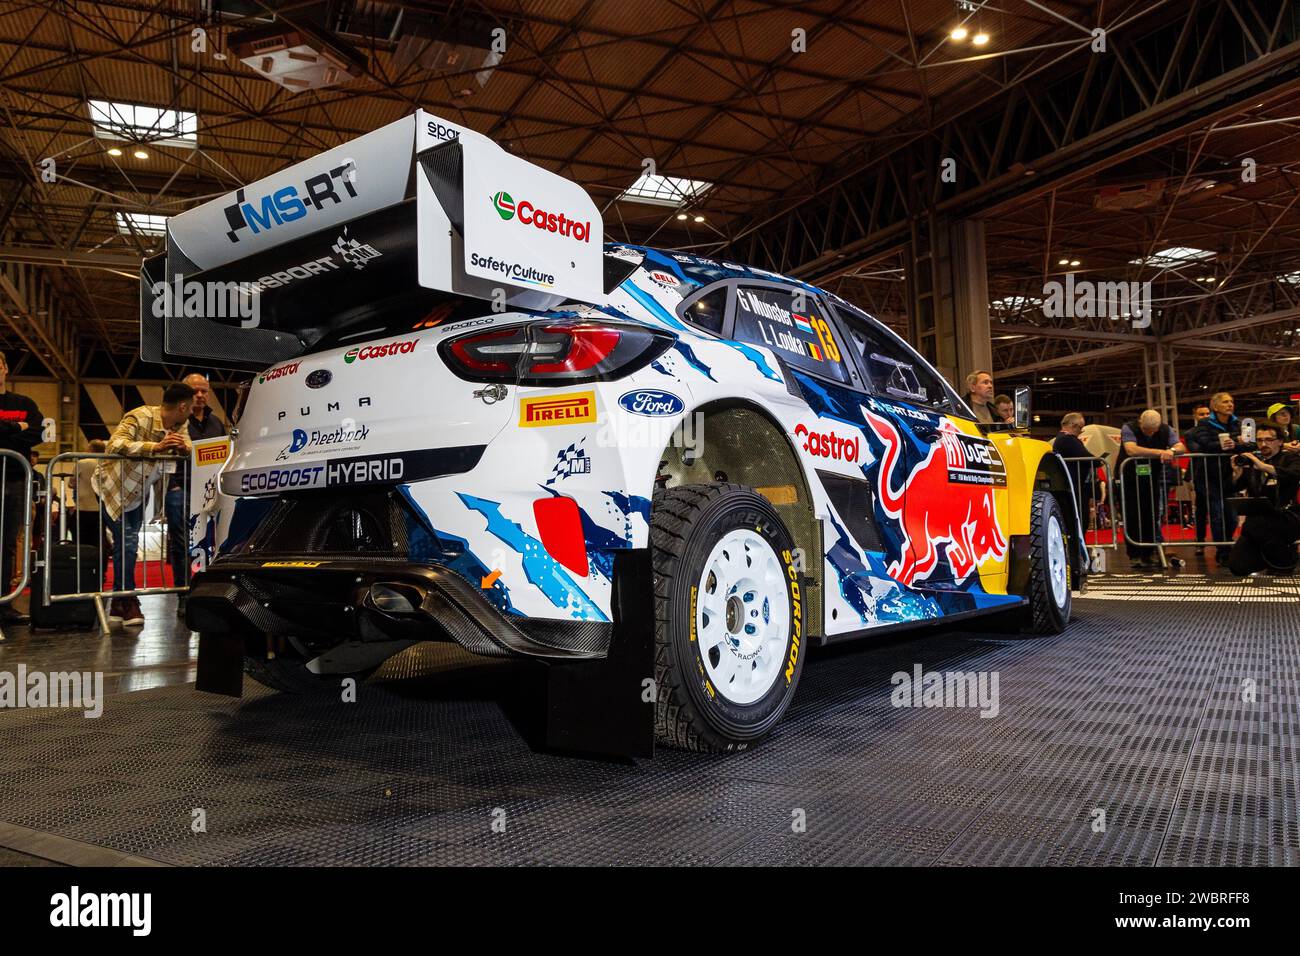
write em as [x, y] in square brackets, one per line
[729, 619]
[1048, 584]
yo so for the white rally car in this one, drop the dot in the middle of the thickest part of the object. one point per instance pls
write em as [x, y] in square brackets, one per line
[662, 476]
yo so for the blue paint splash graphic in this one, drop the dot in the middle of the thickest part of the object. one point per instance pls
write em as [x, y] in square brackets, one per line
[693, 360]
[652, 305]
[541, 570]
[428, 545]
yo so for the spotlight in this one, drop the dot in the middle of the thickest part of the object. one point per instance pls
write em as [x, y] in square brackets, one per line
[1075, 262]
[980, 38]
[115, 152]
[958, 34]
[140, 154]
[681, 215]
[1063, 262]
[699, 218]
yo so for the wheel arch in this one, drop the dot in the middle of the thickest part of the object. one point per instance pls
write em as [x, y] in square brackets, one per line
[746, 444]
[1050, 474]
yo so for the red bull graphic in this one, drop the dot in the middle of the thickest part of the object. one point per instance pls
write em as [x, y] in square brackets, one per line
[952, 510]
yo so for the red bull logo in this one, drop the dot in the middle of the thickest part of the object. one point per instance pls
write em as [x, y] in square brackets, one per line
[961, 515]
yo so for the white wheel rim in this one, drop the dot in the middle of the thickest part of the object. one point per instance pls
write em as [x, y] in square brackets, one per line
[1056, 564]
[742, 616]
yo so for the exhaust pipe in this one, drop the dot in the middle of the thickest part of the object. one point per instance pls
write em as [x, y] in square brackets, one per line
[395, 598]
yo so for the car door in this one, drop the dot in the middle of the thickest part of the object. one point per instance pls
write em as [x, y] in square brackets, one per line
[937, 474]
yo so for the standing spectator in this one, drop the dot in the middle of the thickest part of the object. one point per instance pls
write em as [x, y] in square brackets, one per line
[1272, 478]
[202, 423]
[1004, 410]
[1144, 486]
[1217, 434]
[20, 431]
[1200, 412]
[979, 389]
[150, 431]
[1280, 415]
[1080, 465]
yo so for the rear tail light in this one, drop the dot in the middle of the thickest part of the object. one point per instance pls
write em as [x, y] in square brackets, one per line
[542, 353]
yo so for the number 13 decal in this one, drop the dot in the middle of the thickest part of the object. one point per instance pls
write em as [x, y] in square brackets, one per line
[827, 339]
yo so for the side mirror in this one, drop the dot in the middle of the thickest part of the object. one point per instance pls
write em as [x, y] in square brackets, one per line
[1023, 406]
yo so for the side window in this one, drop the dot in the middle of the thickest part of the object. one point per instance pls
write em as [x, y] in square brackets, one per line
[891, 369]
[767, 316]
[708, 311]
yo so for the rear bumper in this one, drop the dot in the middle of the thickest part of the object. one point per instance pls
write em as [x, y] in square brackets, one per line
[329, 602]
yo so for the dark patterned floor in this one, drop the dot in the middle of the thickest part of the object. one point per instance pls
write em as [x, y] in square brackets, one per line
[1138, 711]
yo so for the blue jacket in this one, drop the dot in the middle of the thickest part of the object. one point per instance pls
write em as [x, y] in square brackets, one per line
[1205, 436]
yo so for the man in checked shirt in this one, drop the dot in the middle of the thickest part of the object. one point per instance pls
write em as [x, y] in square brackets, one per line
[147, 432]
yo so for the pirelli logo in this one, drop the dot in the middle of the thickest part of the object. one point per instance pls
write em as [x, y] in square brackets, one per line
[292, 564]
[572, 409]
[213, 454]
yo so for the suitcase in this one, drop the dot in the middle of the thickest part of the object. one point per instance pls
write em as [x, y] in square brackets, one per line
[64, 559]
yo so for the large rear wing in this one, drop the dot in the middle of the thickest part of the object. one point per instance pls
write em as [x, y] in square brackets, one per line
[384, 226]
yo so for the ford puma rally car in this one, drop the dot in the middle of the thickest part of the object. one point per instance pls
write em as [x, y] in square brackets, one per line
[662, 476]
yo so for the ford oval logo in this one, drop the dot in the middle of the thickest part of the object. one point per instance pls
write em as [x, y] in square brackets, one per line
[651, 401]
[319, 378]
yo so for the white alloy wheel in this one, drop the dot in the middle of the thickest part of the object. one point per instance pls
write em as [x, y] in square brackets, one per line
[1057, 571]
[742, 616]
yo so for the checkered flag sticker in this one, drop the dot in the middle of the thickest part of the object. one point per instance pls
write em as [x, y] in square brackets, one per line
[570, 461]
[355, 254]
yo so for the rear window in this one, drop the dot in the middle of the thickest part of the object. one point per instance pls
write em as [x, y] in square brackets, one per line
[708, 311]
[801, 336]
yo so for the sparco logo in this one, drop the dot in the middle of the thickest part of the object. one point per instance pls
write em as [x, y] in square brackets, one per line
[379, 351]
[278, 372]
[287, 204]
[530, 215]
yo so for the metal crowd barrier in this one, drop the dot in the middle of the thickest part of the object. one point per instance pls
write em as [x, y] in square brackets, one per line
[89, 583]
[1095, 496]
[15, 509]
[1154, 494]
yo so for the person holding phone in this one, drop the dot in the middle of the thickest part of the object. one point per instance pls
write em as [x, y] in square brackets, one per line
[147, 432]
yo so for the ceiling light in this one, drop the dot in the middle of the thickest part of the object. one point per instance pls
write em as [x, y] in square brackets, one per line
[140, 154]
[699, 218]
[115, 152]
[980, 38]
[1074, 262]
[958, 33]
[681, 215]
[1064, 262]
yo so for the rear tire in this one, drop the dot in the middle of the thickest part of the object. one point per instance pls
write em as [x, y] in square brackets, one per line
[728, 617]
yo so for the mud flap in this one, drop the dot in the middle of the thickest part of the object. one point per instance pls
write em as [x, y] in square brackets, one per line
[608, 706]
[221, 664]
